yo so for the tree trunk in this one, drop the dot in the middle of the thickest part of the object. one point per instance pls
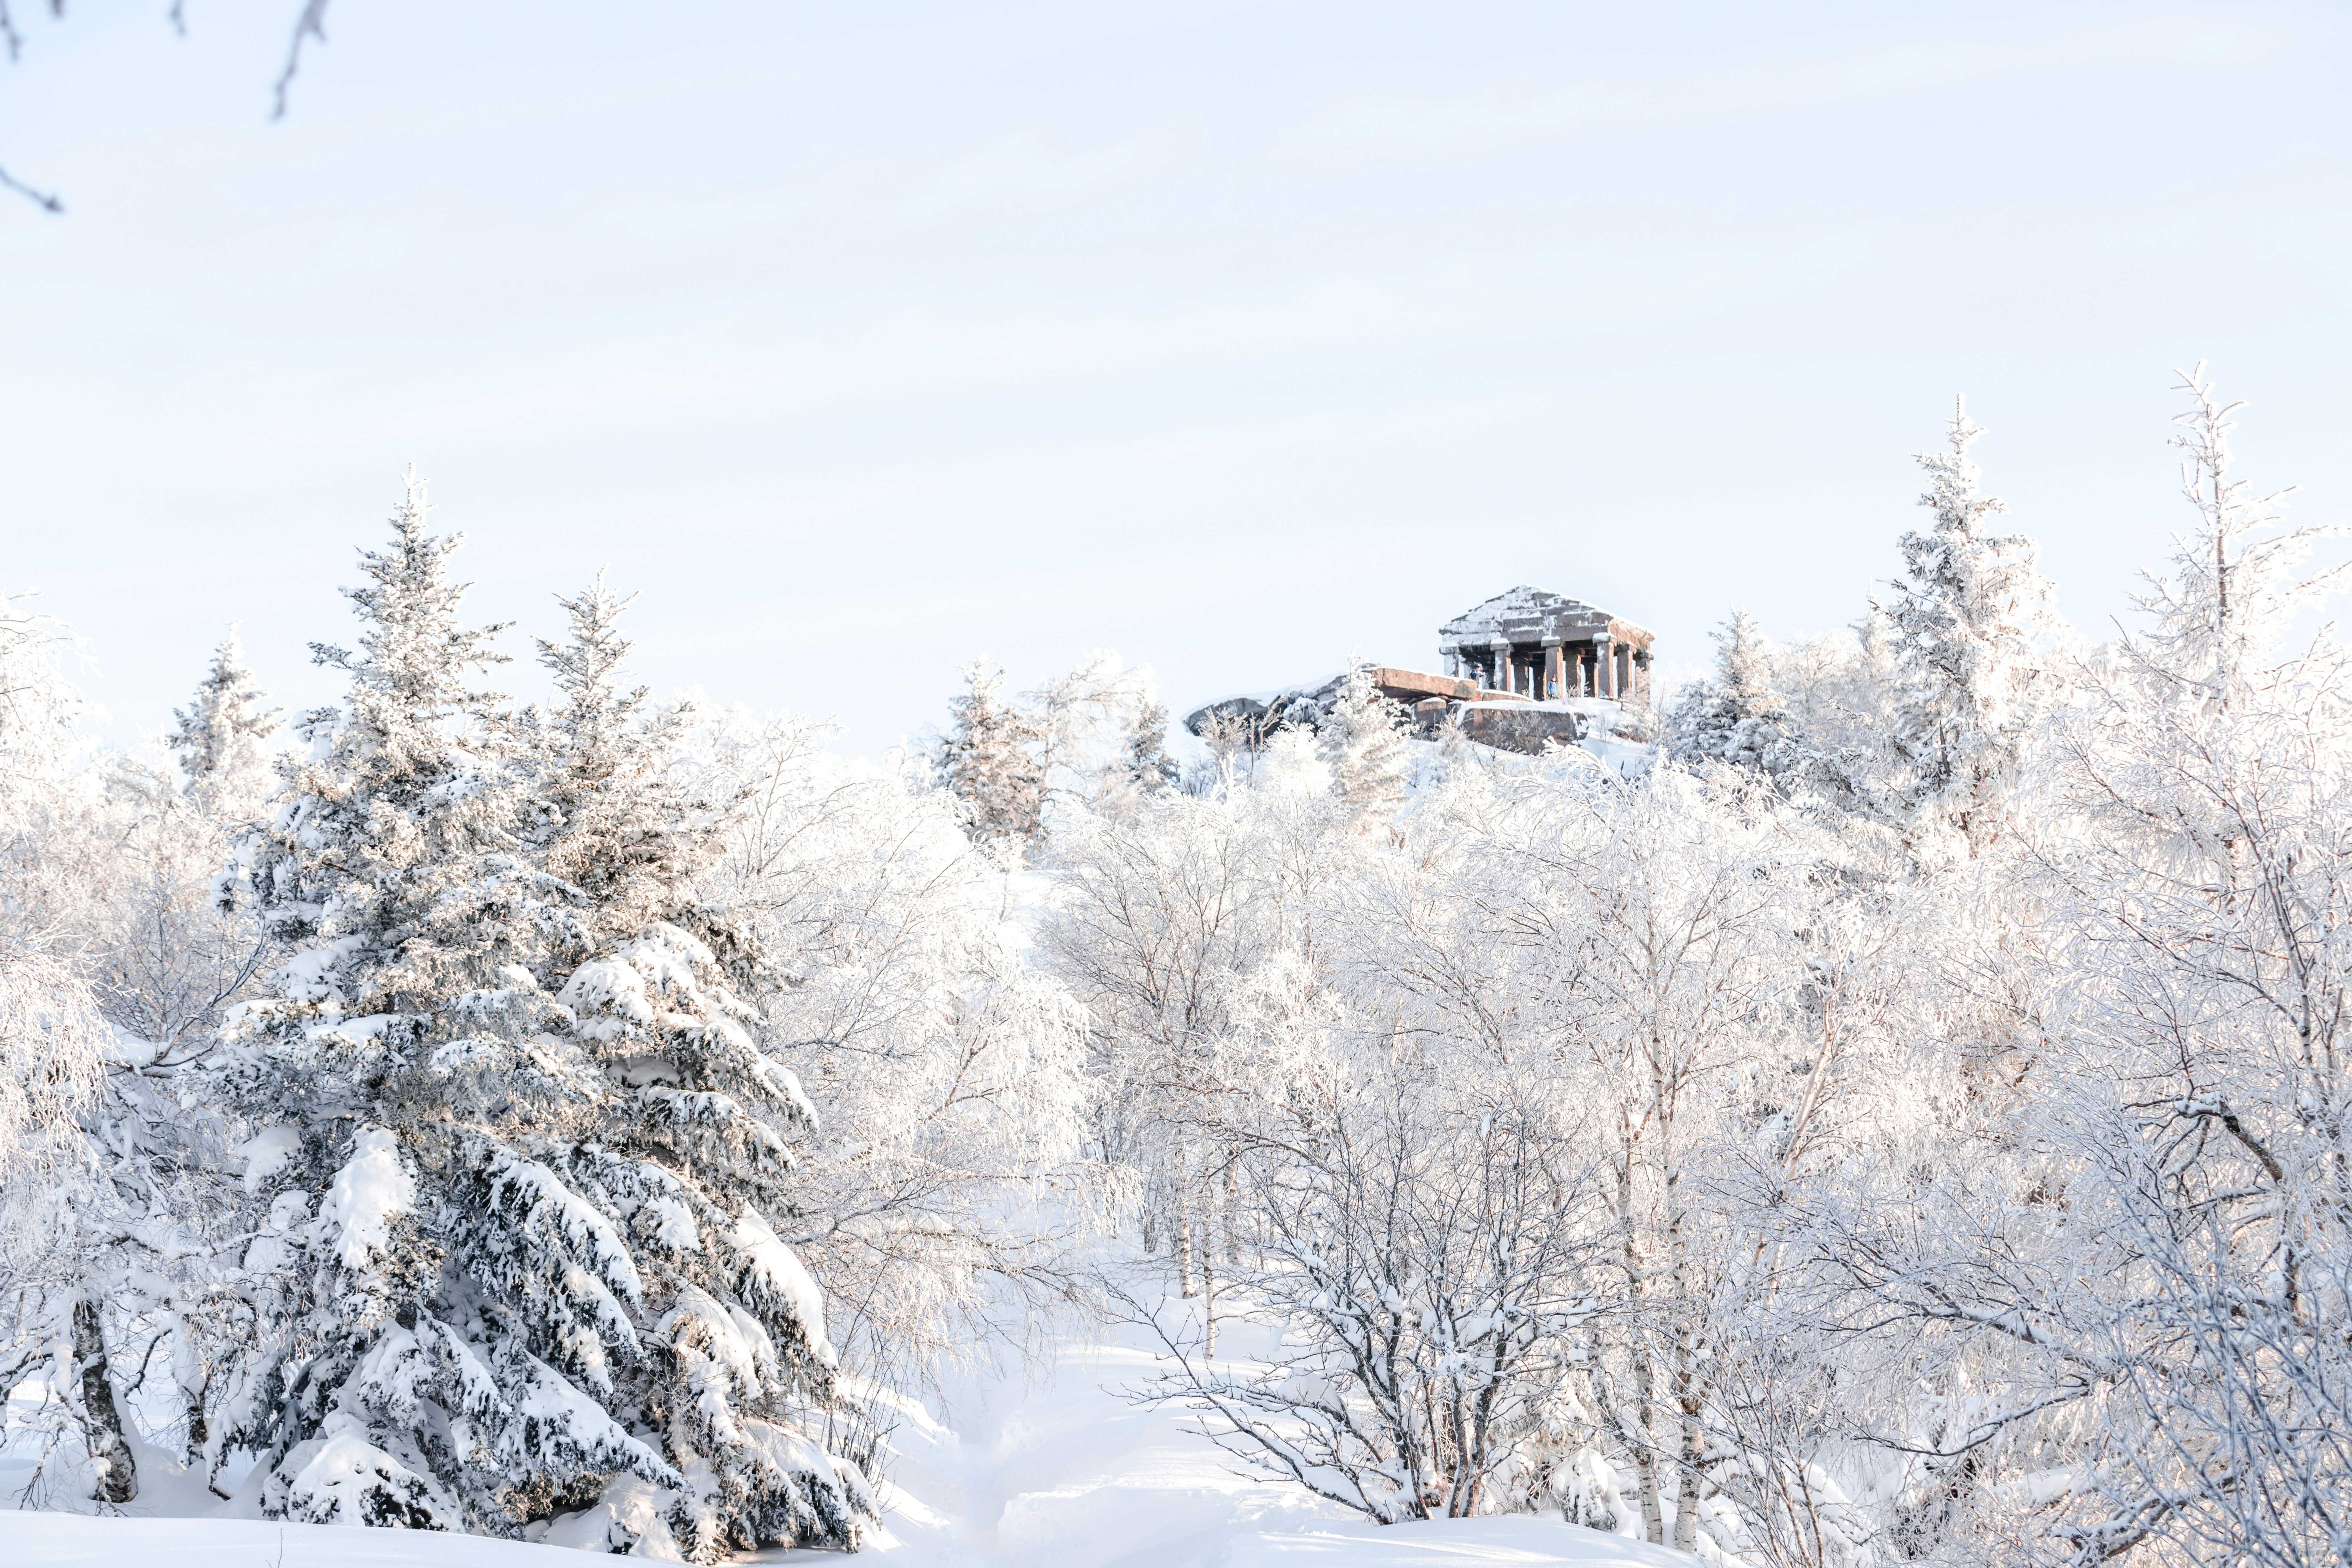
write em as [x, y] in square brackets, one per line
[1645, 1452]
[1643, 1444]
[1209, 1278]
[199, 1428]
[1232, 1212]
[119, 1482]
[1686, 1397]
[1184, 1221]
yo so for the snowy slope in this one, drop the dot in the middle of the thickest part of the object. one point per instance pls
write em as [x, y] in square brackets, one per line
[1059, 1469]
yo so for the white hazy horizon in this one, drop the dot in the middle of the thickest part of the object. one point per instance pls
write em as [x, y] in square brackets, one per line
[1233, 339]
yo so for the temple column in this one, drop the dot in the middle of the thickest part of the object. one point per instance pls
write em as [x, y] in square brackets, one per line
[1502, 665]
[1605, 668]
[1552, 684]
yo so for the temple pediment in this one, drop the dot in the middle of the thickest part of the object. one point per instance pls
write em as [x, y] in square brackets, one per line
[1533, 643]
[1527, 616]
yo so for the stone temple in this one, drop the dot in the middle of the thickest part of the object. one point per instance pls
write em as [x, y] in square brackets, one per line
[1525, 670]
[1546, 647]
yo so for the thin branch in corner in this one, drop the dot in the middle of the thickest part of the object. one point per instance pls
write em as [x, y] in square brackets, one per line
[9, 34]
[310, 24]
[16, 43]
[41, 199]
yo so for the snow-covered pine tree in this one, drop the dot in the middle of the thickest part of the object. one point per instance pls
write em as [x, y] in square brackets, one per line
[689, 1158]
[220, 736]
[1362, 740]
[443, 1312]
[1972, 617]
[988, 761]
[1735, 716]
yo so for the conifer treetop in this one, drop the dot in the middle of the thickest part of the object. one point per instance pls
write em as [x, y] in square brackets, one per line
[1971, 618]
[619, 830]
[587, 667]
[2237, 580]
[1953, 479]
[224, 718]
[415, 651]
[990, 759]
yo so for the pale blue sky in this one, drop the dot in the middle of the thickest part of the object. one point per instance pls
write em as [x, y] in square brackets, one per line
[864, 338]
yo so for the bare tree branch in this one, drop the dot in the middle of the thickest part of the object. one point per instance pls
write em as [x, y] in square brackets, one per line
[42, 199]
[310, 24]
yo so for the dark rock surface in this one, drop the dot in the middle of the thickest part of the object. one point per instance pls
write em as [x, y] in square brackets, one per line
[1520, 726]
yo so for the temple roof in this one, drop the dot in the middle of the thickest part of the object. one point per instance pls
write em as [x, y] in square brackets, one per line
[1526, 614]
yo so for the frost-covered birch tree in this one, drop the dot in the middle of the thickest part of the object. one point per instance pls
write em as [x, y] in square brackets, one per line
[2197, 1094]
[946, 1200]
[53, 1050]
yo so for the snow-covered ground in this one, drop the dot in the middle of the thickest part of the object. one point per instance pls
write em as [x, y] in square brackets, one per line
[77, 1540]
[1049, 1467]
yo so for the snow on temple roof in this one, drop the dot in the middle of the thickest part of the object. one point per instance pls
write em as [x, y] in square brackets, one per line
[1526, 614]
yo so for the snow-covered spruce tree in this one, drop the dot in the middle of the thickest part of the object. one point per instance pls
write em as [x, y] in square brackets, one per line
[221, 736]
[692, 1159]
[1736, 716]
[613, 823]
[493, 1302]
[1362, 740]
[989, 759]
[1972, 617]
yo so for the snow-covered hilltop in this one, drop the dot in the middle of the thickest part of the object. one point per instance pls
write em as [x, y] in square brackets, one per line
[1526, 670]
[1900, 1113]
